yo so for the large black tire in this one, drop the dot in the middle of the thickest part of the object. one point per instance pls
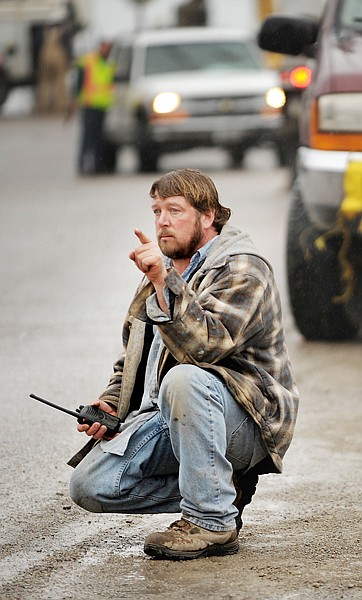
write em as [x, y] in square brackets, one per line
[286, 150]
[314, 280]
[109, 157]
[236, 154]
[148, 157]
[4, 87]
[148, 153]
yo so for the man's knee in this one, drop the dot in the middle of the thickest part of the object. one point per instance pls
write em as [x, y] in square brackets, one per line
[184, 376]
[83, 490]
[179, 383]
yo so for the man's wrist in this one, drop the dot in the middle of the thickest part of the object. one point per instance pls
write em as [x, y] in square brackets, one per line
[157, 311]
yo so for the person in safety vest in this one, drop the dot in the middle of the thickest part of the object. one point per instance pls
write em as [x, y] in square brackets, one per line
[94, 95]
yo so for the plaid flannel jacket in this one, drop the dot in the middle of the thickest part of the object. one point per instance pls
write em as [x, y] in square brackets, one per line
[227, 319]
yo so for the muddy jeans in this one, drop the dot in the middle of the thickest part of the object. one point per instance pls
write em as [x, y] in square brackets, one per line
[181, 459]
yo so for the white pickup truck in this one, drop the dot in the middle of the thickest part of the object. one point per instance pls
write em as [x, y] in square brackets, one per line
[183, 88]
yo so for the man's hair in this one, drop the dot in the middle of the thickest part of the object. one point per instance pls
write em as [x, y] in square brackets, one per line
[197, 188]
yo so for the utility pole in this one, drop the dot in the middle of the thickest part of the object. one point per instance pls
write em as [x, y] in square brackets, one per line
[140, 5]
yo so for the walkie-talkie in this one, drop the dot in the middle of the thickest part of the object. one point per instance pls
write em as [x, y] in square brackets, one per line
[88, 414]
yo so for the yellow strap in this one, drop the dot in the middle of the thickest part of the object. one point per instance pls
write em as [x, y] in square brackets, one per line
[351, 206]
[350, 210]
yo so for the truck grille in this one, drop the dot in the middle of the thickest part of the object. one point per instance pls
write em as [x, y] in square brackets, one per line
[224, 106]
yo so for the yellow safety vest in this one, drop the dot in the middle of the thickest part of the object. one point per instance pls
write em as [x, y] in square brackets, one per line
[97, 90]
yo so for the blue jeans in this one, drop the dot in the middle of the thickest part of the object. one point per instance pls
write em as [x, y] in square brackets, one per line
[181, 459]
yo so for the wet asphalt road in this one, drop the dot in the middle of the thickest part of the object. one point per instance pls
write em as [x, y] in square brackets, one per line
[66, 281]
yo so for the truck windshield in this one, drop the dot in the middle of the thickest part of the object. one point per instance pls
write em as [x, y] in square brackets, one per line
[171, 58]
[350, 16]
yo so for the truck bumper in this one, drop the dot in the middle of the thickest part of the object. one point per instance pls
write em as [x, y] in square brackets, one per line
[210, 131]
[321, 176]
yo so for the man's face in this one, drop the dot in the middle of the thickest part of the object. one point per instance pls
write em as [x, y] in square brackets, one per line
[180, 228]
[105, 49]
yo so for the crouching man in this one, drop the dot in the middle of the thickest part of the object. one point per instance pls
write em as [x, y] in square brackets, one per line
[204, 387]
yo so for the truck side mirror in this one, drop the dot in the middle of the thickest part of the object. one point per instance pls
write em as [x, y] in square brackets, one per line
[288, 35]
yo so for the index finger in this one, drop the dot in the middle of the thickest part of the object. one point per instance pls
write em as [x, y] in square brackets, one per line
[143, 238]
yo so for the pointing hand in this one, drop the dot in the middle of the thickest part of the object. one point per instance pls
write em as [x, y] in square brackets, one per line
[149, 259]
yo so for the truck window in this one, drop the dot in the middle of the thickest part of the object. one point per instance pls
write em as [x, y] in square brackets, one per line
[351, 15]
[199, 57]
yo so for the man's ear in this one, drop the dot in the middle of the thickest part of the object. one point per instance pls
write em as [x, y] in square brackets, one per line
[208, 219]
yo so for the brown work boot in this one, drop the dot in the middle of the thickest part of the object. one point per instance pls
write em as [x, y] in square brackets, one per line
[184, 541]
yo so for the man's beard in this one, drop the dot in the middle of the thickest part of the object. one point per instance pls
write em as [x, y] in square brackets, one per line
[178, 250]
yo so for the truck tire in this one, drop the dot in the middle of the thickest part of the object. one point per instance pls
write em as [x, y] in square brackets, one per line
[109, 156]
[4, 87]
[314, 279]
[148, 153]
[286, 153]
[236, 154]
[148, 157]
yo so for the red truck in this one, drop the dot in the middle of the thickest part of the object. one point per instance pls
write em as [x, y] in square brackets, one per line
[324, 242]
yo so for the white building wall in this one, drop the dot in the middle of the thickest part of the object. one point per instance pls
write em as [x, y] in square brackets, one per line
[112, 17]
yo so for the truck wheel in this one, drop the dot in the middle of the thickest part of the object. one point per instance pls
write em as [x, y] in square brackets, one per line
[4, 88]
[148, 158]
[286, 151]
[109, 157]
[314, 279]
[236, 154]
[148, 153]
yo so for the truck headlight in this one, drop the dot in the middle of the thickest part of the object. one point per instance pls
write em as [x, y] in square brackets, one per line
[166, 102]
[336, 122]
[340, 112]
[275, 97]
